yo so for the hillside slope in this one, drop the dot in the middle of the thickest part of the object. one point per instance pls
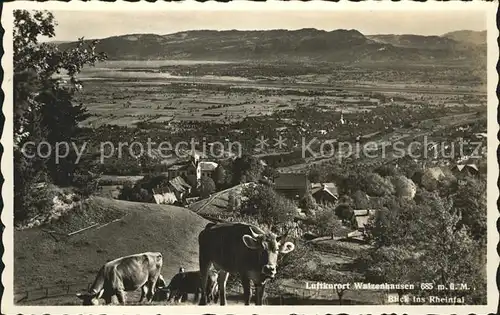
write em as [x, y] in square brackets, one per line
[277, 45]
[466, 36]
[40, 260]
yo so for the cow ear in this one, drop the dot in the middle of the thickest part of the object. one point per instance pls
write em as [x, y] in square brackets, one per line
[250, 242]
[287, 247]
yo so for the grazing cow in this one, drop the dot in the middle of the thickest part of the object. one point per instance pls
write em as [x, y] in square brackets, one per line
[185, 283]
[125, 274]
[239, 248]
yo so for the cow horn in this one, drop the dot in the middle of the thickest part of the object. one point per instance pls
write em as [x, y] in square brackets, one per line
[254, 235]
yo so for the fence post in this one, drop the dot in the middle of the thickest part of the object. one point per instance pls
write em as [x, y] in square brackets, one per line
[46, 292]
[88, 287]
[67, 290]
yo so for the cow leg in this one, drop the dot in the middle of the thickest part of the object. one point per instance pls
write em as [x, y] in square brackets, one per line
[178, 297]
[259, 294]
[197, 296]
[204, 267]
[215, 292]
[222, 280]
[184, 297]
[247, 293]
[150, 290]
[108, 298]
[120, 294]
[144, 292]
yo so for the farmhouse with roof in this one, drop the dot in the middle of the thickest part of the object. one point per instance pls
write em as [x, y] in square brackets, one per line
[324, 192]
[175, 191]
[360, 222]
[292, 185]
[192, 170]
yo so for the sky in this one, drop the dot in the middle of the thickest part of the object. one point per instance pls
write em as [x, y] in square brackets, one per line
[95, 24]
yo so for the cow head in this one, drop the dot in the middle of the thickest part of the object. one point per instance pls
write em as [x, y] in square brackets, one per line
[160, 282]
[89, 298]
[269, 245]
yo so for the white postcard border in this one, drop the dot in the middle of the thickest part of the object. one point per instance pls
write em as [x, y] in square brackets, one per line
[489, 8]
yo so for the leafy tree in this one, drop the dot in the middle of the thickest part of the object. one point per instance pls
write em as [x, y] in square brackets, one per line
[451, 255]
[207, 187]
[395, 264]
[220, 177]
[402, 222]
[344, 212]
[270, 208]
[326, 222]
[471, 203]
[351, 182]
[317, 175]
[404, 187]
[376, 185]
[361, 200]
[387, 170]
[136, 193]
[431, 229]
[35, 64]
[308, 203]
[43, 109]
[246, 168]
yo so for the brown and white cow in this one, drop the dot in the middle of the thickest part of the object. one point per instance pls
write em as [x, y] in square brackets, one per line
[239, 248]
[125, 274]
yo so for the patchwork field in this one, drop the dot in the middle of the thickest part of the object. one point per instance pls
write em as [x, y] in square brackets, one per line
[125, 93]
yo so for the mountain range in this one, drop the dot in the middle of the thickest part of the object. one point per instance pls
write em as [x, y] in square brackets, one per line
[295, 45]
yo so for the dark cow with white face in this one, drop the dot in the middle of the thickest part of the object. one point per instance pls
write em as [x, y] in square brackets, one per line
[125, 274]
[239, 248]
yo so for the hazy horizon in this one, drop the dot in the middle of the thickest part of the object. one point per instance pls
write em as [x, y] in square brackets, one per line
[54, 39]
[98, 25]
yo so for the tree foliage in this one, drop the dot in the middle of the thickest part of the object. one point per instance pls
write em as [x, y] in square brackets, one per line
[326, 222]
[246, 169]
[432, 230]
[471, 203]
[207, 187]
[267, 205]
[404, 187]
[344, 212]
[376, 185]
[308, 203]
[43, 108]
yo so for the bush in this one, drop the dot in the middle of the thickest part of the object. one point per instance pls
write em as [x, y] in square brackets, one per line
[361, 200]
[344, 212]
[86, 184]
[267, 205]
[376, 185]
[387, 170]
[207, 187]
[308, 203]
[136, 193]
[404, 187]
[326, 222]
